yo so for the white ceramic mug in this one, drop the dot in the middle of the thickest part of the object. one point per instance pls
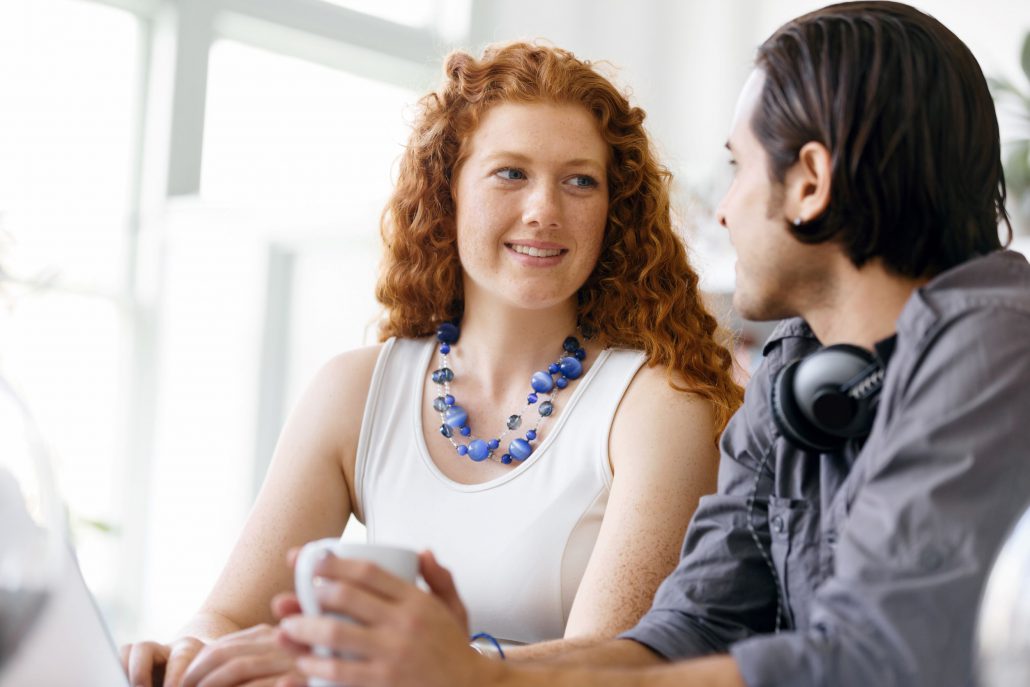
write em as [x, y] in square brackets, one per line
[401, 562]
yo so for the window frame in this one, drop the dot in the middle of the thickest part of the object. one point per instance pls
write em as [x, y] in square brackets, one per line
[168, 119]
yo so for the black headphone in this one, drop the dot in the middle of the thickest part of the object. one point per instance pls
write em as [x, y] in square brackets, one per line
[821, 401]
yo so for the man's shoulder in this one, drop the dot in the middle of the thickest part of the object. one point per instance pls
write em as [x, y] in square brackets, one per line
[997, 283]
[964, 336]
[976, 304]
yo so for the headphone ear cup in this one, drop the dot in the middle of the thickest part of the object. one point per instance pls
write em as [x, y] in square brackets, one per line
[789, 418]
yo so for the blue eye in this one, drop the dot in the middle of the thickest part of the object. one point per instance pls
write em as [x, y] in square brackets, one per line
[583, 181]
[510, 174]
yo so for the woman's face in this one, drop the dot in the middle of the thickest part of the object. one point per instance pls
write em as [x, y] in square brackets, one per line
[532, 203]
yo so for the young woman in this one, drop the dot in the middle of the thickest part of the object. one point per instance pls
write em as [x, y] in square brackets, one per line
[543, 411]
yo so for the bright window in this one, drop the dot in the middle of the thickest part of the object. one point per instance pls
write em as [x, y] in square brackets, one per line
[297, 165]
[68, 90]
[67, 102]
[282, 130]
[419, 13]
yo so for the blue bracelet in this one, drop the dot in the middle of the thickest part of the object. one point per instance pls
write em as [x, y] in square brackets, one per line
[490, 638]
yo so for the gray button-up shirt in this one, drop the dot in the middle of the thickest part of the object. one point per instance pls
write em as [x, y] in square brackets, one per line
[881, 556]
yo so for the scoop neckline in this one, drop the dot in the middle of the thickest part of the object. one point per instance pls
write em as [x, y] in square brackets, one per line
[434, 469]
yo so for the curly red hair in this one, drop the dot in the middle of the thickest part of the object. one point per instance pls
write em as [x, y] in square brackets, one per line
[642, 293]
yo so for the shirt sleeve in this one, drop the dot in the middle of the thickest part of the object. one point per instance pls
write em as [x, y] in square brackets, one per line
[722, 590]
[943, 488]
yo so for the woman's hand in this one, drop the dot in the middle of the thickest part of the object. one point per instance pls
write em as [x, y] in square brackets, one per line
[405, 637]
[142, 660]
[251, 657]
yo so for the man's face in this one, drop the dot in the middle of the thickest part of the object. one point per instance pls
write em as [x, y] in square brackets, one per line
[777, 275]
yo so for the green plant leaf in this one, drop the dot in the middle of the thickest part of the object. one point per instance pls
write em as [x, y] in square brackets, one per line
[998, 87]
[1025, 57]
[1003, 89]
[98, 525]
[1017, 168]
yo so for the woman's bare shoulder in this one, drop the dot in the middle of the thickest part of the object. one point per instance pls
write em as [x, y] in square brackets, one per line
[357, 362]
[670, 417]
[654, 386]
[336, 393]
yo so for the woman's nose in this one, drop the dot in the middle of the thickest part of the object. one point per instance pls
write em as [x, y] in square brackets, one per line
[543, 206]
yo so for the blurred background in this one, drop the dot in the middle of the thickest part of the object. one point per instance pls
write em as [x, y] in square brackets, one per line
[189, 201]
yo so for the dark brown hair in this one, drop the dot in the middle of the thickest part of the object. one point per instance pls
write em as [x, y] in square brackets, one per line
[904, 109]
[642, 293]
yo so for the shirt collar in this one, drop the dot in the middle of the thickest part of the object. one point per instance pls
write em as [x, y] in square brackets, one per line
[795, 327]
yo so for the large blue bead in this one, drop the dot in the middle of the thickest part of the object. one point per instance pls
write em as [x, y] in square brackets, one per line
[541, 382]
[571, 368]
[456, 417]
[478, 450]
[447, 333]
[520, 449]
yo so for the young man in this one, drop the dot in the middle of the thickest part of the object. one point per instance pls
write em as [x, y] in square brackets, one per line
[865, 206]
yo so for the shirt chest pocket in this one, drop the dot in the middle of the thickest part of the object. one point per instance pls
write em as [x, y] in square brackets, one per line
[794, 549]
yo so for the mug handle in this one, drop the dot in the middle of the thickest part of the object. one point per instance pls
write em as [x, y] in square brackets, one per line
[304, 573]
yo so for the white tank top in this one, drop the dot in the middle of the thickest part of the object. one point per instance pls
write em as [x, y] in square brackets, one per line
[517, 545]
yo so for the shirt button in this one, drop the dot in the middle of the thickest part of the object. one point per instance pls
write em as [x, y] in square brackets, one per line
[778, 525]
[930, 559]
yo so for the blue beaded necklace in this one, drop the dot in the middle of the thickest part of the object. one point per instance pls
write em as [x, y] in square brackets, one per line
[455, 419]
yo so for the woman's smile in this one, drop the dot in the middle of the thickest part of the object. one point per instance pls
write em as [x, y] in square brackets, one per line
[536, 253]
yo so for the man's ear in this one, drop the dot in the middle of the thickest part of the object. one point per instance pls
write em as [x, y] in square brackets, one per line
[807, 184]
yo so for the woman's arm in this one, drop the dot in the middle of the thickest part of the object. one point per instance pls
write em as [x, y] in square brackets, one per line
[664, 458]
[307, 494]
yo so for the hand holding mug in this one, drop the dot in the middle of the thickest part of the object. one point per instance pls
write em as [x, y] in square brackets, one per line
[311, 588]
[394, 635]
